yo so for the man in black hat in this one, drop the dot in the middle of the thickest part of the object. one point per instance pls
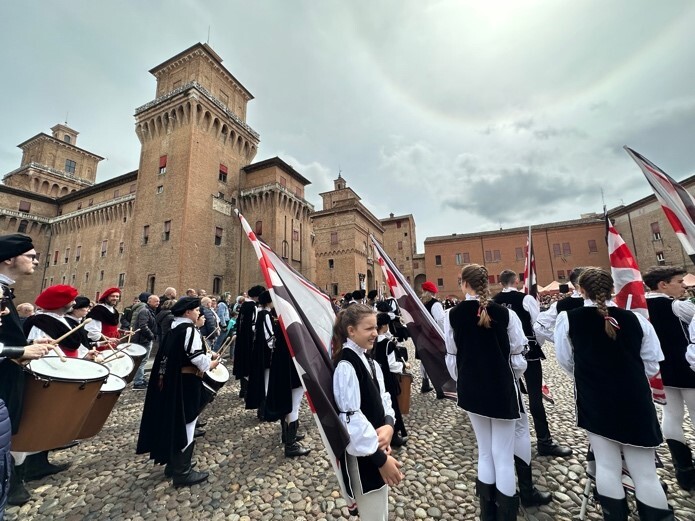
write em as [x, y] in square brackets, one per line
[244, 338]
[175, 396]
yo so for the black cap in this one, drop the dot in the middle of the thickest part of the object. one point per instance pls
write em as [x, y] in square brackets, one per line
[372, 294]
[81, 302]
[14, 245]
[265, 298]
[382, 319]
[184, 304]
[256, 291]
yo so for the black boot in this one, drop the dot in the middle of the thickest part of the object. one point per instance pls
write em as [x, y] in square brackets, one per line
[613, 509]
[37, 466]
[398, 441]
[507, 507]
[530, 496]
[283, 426]
[260, 412]
[547, 447]
[426, 387]
[488, 505]
[243, 385]
[647, 513]
[18, 494]
[182, 469]
[298, 437]
[683, 463]
[292, 446]
[169, 472]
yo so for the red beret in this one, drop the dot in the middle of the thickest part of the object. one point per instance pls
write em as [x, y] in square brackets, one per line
[56, 297]
[429, 286]
[108, 292]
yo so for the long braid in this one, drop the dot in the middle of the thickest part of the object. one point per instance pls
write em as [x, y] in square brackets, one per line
[598, 286]
[476, 277]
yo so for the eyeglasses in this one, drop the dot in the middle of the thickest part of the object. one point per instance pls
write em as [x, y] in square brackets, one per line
[31, 256]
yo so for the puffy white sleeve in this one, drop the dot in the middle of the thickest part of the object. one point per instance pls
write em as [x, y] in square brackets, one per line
[93, 329]
[684, 310]
[451, 348]
[518, 344]
[385, 396]
[650, 352]
[195, 354]
[531, 305]
[544, 324]
[346, 391]
[690, 353]
[564, 351]
[438, 314]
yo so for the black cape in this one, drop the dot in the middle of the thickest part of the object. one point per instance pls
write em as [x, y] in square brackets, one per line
[102, 314]
[259, 361]
[54, 328]
[244, 340]
[12, 374]
[283, 379]
[163, 423]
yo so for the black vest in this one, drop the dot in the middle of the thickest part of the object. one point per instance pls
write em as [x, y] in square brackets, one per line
[613, 396]
[373, 410]
[674, 338]
[486, 384]
[54, 328]
[569, 303]
[430, 304]
[514, 300]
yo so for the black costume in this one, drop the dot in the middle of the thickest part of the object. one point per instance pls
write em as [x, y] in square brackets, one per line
[261, 356]
[382, 349]
[54, 328]
[244, 339]
[283, 378]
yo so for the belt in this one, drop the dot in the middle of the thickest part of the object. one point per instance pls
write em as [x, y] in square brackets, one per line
[191, 370]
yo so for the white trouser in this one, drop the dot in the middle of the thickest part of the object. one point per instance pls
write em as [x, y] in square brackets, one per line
[297, 395]
[640, 464]
[674, 412]
[522, 439]
[266, 379]
[19, 457]
[496, 439]
[373, 506]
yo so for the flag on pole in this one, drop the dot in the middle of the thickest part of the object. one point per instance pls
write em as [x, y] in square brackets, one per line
[677, 203]
[306, 317]
[426, 334]
[629, 290]
[530, 278]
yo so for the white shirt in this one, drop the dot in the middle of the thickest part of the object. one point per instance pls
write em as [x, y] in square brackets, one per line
[195, 354]
[690, 352]
[394, 365]
[438, 314]
[650, 351]
[38, 333]
[683, 309]
[517, 343]
[346, 390]
[544, 325]
[93, 328]
[530, 304]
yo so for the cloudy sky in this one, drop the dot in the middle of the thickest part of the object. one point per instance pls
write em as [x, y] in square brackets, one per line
[470, 115]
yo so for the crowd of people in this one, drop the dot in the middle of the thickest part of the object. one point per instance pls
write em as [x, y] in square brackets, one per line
[494, 352]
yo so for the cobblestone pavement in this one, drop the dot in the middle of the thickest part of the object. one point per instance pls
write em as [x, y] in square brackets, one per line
[251, 479]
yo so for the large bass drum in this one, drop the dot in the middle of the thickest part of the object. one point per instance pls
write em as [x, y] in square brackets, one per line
[119, 363]
[57, 399]
[103, 405]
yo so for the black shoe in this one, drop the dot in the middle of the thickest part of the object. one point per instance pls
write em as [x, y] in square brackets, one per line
[198, 433]
[398, 441]
[37, 466]
[201, 423]
[488, 505]
[440, 394]
[243, 385]
[683, 463]
[260, 412]
[647, 513]
[548, 447]
[169, 472]
[613, 509]
[530, 496]
[426, 387]
[18, 494]
[507, 507]
[181, 467]
[297, 436]
[292, 446]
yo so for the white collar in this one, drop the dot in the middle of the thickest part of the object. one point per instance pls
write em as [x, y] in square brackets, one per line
[472, 297]
[354, 347]
[575, 294]
[657, 294]
[591, 304]
[6, 280]
[509, 289]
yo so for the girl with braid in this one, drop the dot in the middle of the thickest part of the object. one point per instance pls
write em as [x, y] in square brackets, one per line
[610, 352]
[485, 343]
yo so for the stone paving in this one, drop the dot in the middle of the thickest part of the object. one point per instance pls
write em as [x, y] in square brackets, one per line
[251, 479]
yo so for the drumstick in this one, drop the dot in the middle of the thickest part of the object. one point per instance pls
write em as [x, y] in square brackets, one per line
[81, 325]
[115, 354]
[213, 332]
[59, 352]
[224, 346]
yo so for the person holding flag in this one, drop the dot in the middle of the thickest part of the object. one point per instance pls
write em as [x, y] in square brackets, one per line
[671, 318]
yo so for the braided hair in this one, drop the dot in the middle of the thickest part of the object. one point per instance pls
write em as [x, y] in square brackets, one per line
[349, 316]
[476, 277]
[597, 284]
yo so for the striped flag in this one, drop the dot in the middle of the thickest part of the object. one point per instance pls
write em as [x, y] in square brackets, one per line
[426, 334]
[530, 278]
[677, 203]
[306, 317]
[629, 290]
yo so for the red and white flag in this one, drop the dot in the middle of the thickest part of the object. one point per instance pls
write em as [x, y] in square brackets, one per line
[629, 290]
[677, 203]
[306, 317]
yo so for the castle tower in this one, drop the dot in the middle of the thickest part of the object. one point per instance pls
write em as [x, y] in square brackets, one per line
[195, 141]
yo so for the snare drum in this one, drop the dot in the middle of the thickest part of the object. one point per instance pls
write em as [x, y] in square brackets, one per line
[57, 399]
[137, 352]
[216, 378]
[120, 364]
[103, 405]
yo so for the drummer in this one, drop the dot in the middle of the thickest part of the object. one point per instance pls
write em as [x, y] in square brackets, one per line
[77, 315]
[104, 324]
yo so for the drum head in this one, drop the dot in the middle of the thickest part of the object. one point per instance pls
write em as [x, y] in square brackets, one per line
[134, 349]
[113, 384]
[51, 367]
[121, 365]
[219, 374]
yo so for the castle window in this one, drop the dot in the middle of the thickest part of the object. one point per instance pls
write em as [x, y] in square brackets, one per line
[103, 248]
[656, 231]
[400, 245]
[466, 258]
[334, 237]
[23, 224]
[67, 255]
[259, 228]
[222, 176]
[416, 265]
[55, 257]
[79, 206]
[121, 280]
[519, 251]
[121, 248]
[66, 138]
[334, 287]
[331, 264]
[660, 258]
[162, 164]
[217, 284]
[78, 253]
[218, 235]
[167, 231]
[24, 206]
[146, 234]
[90, 202]
[440, 283]
[488, 256]
[592, 246]
[132, 188]
[101, 275]
[283, 181]
[70, 166]
[150, 283]
[116, 193]
[556, 249]
[295, 235]
[437, 260]
[160, 189]
[459, 259]
[566, 250]
[86, 276]
[496, 256]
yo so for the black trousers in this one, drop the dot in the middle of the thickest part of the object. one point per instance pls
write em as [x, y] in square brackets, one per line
[534, 386]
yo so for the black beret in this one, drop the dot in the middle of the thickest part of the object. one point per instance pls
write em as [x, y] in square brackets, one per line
[81, 302]
[184, 304]
[357, 294]
[14, 245]
[256, 291]
[383, 307]
[372, 294]
[265, 298]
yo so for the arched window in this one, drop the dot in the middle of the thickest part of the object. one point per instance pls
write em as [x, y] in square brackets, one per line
[150, 283]
[23, 224]
[67, 139]
[217, 285]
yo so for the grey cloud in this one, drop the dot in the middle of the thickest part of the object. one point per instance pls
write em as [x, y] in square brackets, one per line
[552, 132]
